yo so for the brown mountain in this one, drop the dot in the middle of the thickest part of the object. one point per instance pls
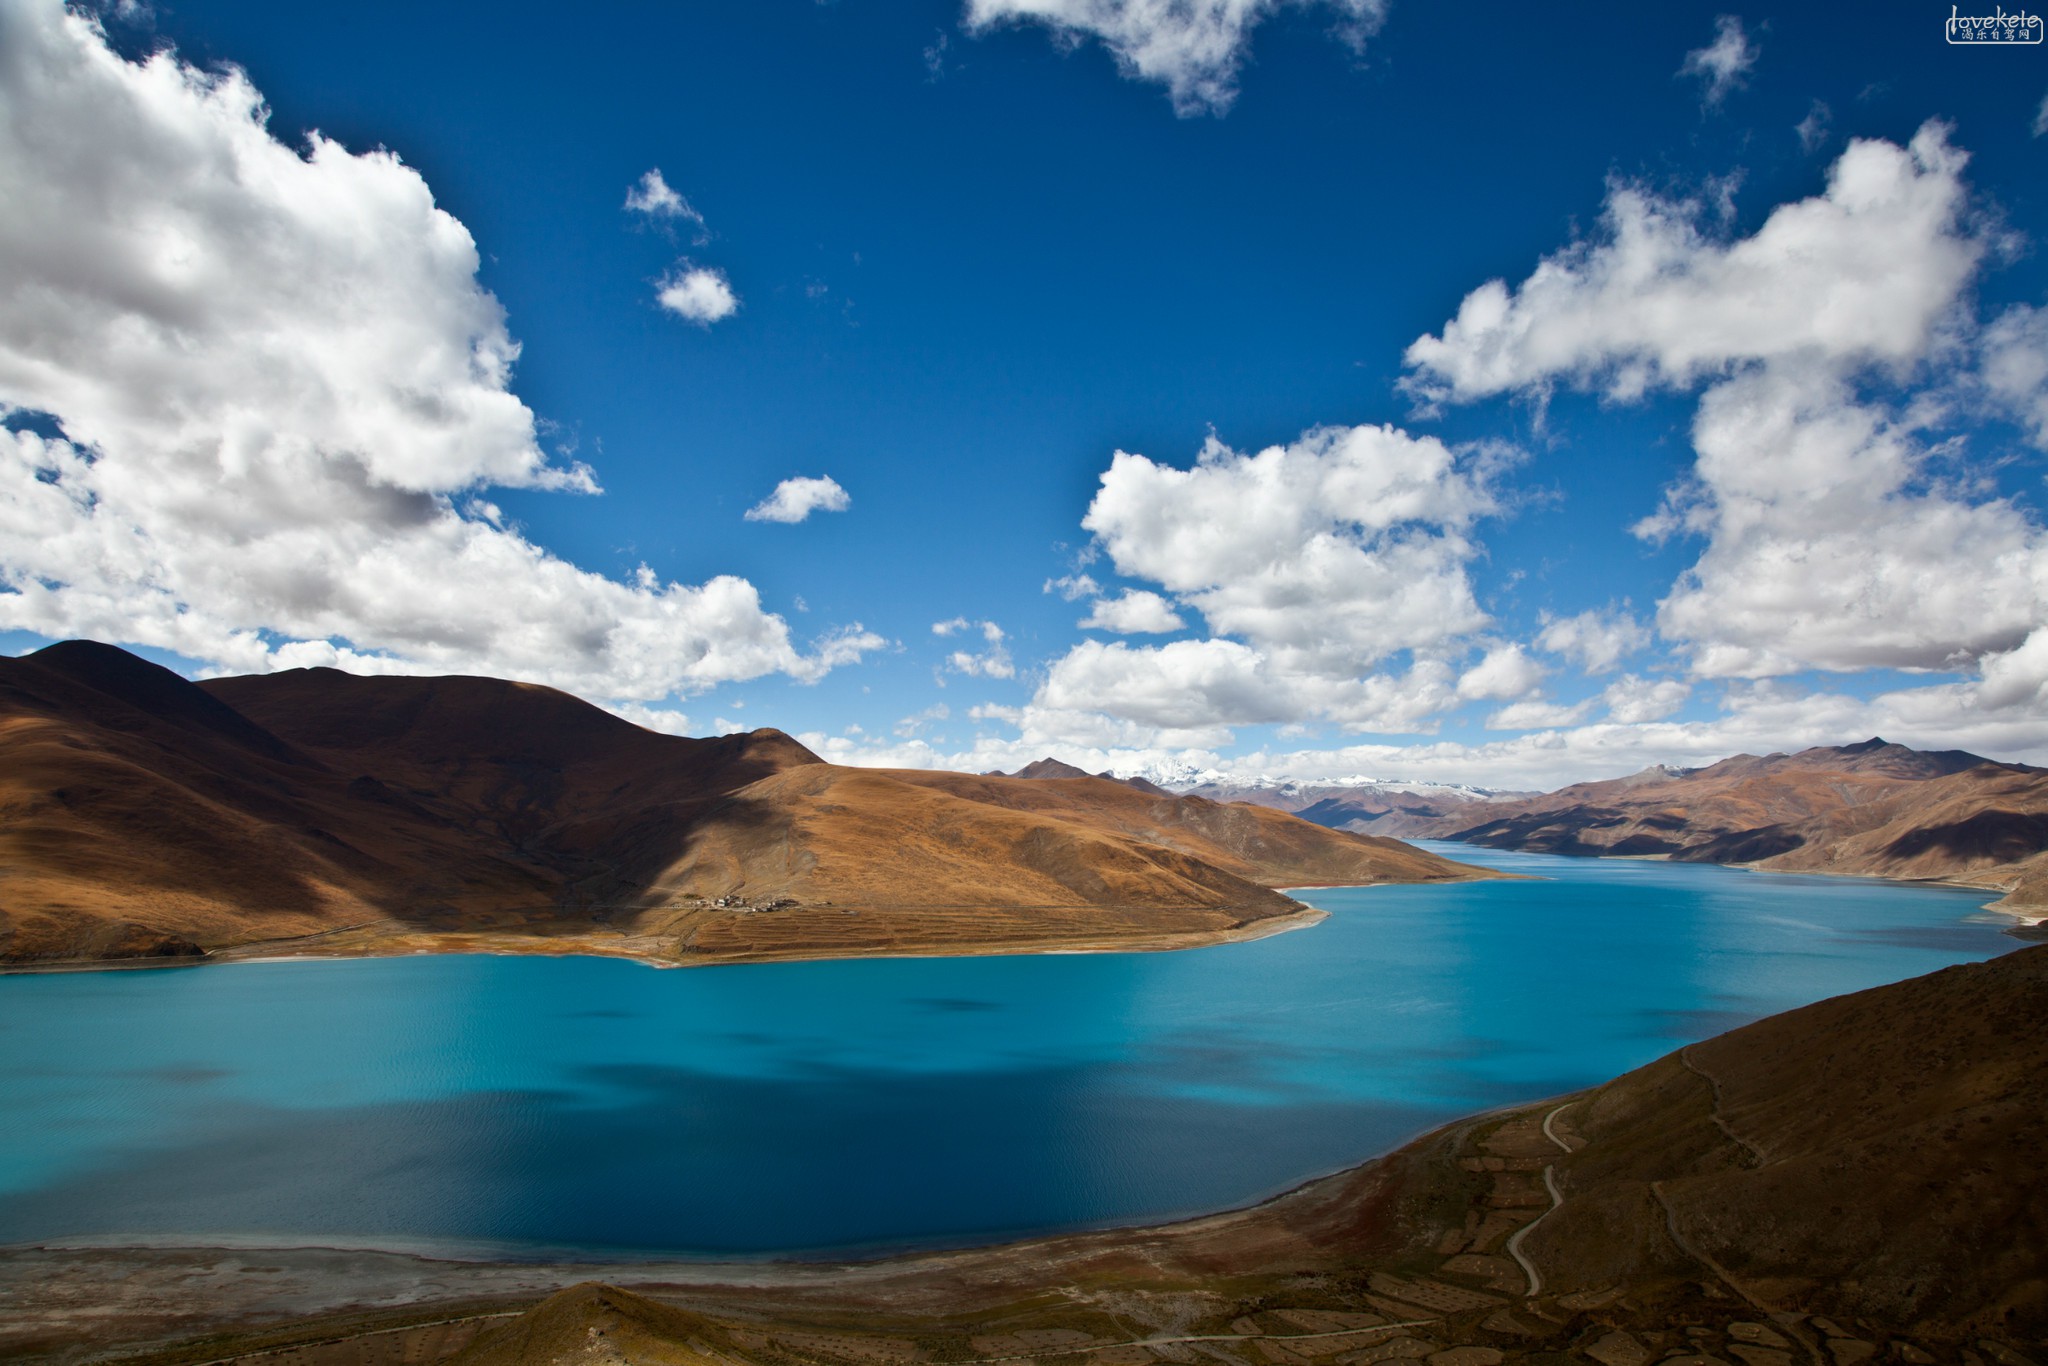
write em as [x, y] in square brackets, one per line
[1873, 1156]
[597, 1325]
[1873, 809]
[145, 815]
[1050, 767]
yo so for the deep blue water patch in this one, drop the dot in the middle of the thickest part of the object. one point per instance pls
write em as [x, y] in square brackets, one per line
[810, 1108]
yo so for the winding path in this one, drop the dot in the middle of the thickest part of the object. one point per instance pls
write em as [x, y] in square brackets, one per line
[1514, 1243]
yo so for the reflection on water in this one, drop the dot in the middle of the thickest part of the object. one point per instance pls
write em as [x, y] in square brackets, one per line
[797, 1108]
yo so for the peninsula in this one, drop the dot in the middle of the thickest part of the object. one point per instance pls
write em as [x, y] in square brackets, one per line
[147, 818]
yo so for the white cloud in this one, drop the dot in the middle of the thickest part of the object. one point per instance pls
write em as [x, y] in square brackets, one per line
[2014, 367]
[666, 720]
[1631, 699]
[1538, 715]
[1311, 562]
[281, 385]
[652, 196]
[1831, 543]
[797, 498]
[935, 56]
[1192, 47]
[918, 722]
[1754, 719]
[1813, 129]
[1837, 536]
[1505, 672]
[699, 294]
[1203, 687]
[1724, 63]
[1864, 273]
[1073, 587]
[1597, 641]
[2041, 118]
[1136, 612]
[1333, 552]
[994, 662]
[1183, 685]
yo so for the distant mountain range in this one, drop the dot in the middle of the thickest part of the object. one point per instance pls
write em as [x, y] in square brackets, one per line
[1339, 803]
[143, 815]
[1873, 809]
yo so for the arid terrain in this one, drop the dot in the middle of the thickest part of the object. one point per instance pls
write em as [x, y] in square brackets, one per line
[1854, 1182]
[145, 817]
[1871, 809]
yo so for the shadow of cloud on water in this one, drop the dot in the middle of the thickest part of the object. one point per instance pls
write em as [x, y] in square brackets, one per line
[685, 1162]
[1684, 1026]
[1964, 938]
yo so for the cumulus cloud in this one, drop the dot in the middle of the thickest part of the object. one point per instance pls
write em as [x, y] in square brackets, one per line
[1597, 641]
[698, 294]
[1558, 745]
[1837, 535]
[1723, 64]
[993, 662]
[2014, 368]
[652, 196]
[1073, 587]
[1192, 47]
[1504, 672]
[1832, 543]
[1863, 273]
[1345, 546]
[666, 720]
[1312, 563]
[1202, 688]
[1136, 612]
[797, 498]
[1630, 699]
[278, 384]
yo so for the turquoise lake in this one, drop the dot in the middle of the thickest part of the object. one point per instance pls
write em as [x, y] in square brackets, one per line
[532, 1106]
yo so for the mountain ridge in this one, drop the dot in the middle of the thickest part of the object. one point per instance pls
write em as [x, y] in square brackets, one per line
[1873, 809]
[144, 816]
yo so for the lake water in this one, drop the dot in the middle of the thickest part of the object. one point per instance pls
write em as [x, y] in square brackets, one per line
[528, 1105]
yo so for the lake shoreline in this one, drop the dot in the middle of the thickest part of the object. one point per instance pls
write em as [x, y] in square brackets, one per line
[239, 1286]
[2029, 917]
[633, 949]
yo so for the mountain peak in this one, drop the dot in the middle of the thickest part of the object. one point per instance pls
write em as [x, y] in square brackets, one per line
[1050, 767]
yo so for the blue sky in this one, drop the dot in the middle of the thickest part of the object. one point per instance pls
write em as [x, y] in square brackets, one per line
[1744, 452]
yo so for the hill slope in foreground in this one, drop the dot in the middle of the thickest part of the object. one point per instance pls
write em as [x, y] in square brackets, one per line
[1854, 1182]
[1872, 809]
[145, 816]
